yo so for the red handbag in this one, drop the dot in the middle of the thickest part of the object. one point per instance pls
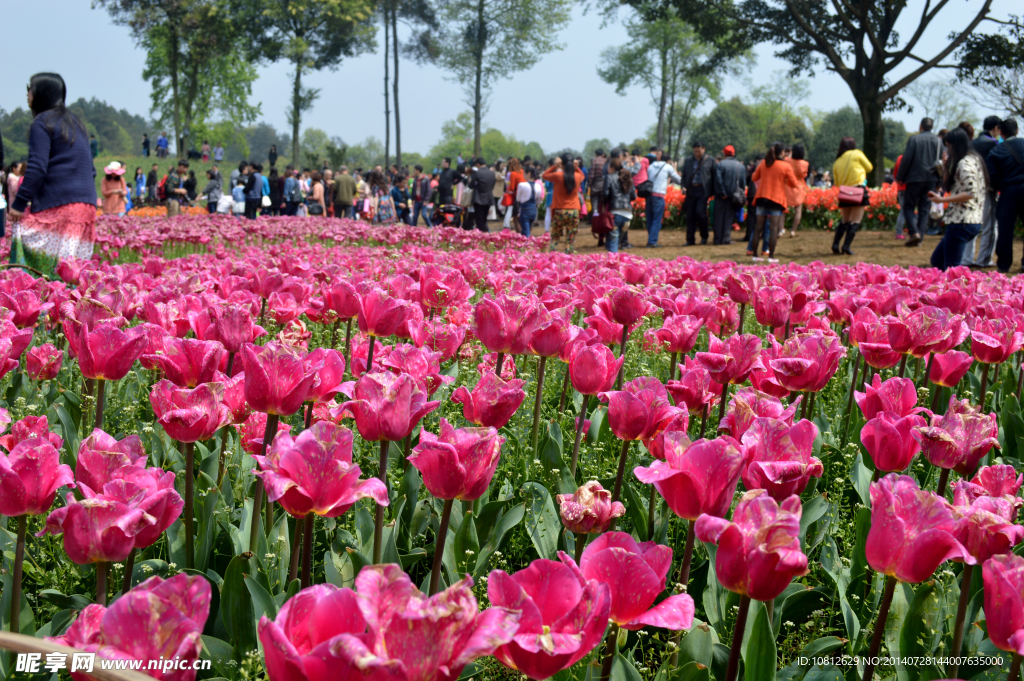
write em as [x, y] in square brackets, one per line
[851, 194]
[602, 223]
[506, 199]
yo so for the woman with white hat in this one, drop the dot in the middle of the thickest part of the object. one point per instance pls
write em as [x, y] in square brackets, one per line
[113, 189]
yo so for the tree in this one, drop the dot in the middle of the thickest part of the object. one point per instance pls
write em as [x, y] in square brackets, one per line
[847, 122]
[493, 143]
[666, 57]
[593, 145]
[994, 64]
[776, 114]
[311, 35]
[483, 41]
[731, 122]
[942, 102]
[856, 39]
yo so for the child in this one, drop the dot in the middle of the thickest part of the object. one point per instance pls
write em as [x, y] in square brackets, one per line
[238, 196]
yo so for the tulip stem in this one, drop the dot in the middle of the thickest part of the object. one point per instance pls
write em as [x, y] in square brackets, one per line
[787, 331]
[541, 361]
[100, 394]
[623, 453]
[307, 551]
[611, 644]
[622, 355]
[579, 434]
[129, 568]
[348, 345]
[725, 397]
[803, 406]
[293, 567]
[19, 560]
[683, 579]
[927, 371]
[378, 524]
[1014, 668]
[369, 355]
[565, 389]
[101, 582]
[743, 316]
[498, 364]
[581, 542]
[650, 513]
[769, 607]
[853, 386]
[257, 497]
[903, 365]
[737, 639]
[334, 332]
[1020, 377]
[263, 310]
[876, 638]
[984, 386]
[309, 416]
[442, 534]
[672, 366]
[231, 363]
[961, 612]
[190, 462]
[935, 397]
[704, 421]
[943, 481]
[223, 456]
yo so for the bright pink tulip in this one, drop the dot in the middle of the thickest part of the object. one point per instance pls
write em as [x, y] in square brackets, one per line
[593, 369]
[99, 455]
[656, 445]
[986, 527]
[549, 336]
[26, 306]
[107, 352]
[993, 341]
[989, 481]
[444, 338]
[233, 326]
[457, 463]
[698, 478]
[1003, 577]
[958, 440]
[563, 617]
[380, 314]
[948, 368]
[731, 360]
[640, 410]
[43, 362]
[912, 530]
[578, 338]
[440, 289]
[100, 529]
[678, 333]
[150, 490]
[694, 391]
[635, 575]
[189, 415]
[806, 361]
[314, 473]
[772, 305]
[342, 299]
[8, 358]
[234, 395]
[625, 305]
[278, 378]
[589, 509]
[26, 429]
[897, 395]
[30, 476]
[759, 552]
[890, 440]
[779, 457]
[925, 330]
[871, 337]
[607, 330]
[386, 406]
[492, 401]
[422, 364]
[157, 620]
[748, 404]
[506, 323]
[843, 306]
[331, 368]
[188, 362]
[252, 430]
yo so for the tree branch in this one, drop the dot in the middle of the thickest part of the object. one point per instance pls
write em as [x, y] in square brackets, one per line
[823, 45]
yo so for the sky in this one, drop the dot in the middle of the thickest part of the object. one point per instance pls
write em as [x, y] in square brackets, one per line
[560, 102]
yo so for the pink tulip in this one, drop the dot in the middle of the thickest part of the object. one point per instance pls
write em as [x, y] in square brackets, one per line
[912, 530]
[43, 362]
[457, 463]
[748, 404]
[806, 361]
[386, 406]
[330, 370]
[380, 314]
[189, 415]
[656, 445]
[441, 289]
[278, 378]
[625, 305]
[731, 360]
[698, 478]
[489, 363]
[986, 528]
[779, 457]
[444, 338]
[506, 323]
[563, 616]
[1003, 577]
[589, 510]
[492, 401]
[234, 395]
[578, 338]
[30, 476]
[100, 529]
[157, 620]
[107, 352]
[842, 307]
[342, 299]
[422, 364]
[188, 362]
[897, 395]
[99, 455]
[694, 391]
[26, 306]
[593, 369]
[640, 410]
[550, 335]
[607, 330]
[8, 358]
[958, 440]
[990, 481]
[314, 473]
[759, 552]
[252, 430]
[925, 330]
[150, 490]
[233, 326]
[26, 429]
[948, 368]
[678, 333]
[871, 337]
[993, 341]
[890, 440]
[772, 305]
[635, 575]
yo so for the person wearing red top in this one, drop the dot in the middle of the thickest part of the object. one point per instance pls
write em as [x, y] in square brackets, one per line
[565, 179]
[772, 176]
[515, 176]
[901, 187]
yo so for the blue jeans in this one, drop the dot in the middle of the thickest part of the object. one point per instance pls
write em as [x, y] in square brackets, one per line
[417, 208]
[654, 208]
[526, 223]
[950, 251]
[611, 240]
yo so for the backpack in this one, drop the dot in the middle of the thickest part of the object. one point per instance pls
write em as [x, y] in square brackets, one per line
[161, 189]
[296, 195]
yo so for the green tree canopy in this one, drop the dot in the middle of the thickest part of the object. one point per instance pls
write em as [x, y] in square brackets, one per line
[493, 143]
[731, 122]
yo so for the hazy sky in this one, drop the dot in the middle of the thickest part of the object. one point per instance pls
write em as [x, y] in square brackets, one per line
[560, 102]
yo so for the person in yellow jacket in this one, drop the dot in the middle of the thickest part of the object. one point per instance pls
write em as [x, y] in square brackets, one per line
[850, 170]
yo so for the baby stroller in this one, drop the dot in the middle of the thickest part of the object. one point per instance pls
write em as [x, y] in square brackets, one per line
[448, 215]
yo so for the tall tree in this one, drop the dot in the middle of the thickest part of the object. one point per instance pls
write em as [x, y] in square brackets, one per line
[311, 35]
[483, 41]
[994, 64]
[856, 39]
[421, 19]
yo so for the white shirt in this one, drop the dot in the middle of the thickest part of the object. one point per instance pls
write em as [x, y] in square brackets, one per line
[523, 192]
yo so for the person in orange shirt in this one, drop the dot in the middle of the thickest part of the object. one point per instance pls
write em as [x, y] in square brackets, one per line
[795, 197]
[565, 179]
[772, 177]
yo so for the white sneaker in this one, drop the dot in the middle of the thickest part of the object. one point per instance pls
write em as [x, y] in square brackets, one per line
[757, 259]
[773, 260]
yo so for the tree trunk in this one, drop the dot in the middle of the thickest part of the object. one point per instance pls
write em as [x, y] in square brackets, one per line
[874, 136]
[387, 95]
[664, 96]
[190, 98]
[296, 112]
[173, 65]
[478, 86]
[398, 123]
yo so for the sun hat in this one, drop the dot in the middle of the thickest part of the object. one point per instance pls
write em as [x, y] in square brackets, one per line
[114, 168]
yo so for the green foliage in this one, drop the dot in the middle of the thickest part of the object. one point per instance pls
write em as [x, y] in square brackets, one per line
[457, 138]
[731, 122]
[117, 131]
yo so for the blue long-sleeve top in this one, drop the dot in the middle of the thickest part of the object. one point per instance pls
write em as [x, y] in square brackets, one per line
[266, 185]
[58, 173]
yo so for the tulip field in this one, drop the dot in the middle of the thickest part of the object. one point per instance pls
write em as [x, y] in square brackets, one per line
[308, 449]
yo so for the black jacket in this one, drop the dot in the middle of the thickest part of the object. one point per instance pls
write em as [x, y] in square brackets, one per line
[1003, 169]
[448, 178]
[482, 183]
[707, 173]
[984, 144]
[919, 159]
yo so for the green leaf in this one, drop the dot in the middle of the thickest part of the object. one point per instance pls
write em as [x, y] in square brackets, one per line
[410, 490]
[236, 606]
[833, 566]
[209, 528]
[635, 509]
[488, 516]
[922, 620]
[507, 522]
[1013, 426]
[542, 523]
[691, 671]
[467, 545]
[623, 670]
[263, 602]
[861, 477]
[760, 661]
[70, 428]
[812, 512]
[218, 652]
[698, 644]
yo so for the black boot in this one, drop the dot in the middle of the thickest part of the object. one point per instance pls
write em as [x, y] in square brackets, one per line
[840, 229]
[851, 231]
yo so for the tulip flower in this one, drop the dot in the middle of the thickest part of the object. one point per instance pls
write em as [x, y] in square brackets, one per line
[26, 429]
[234, 396]
[329, 369]
[925, 330]
[380, 314]
[779, 457]
[30, 476]
[386, 406]
[640, 410]
[678, 333]
[731, 361]
[107, 352]
[251, 432]
[695, 391]
[748, 404]
[772, 305]
[100, 455]
[505, 323]
[441, 289]
[896, 395]
[189, 415]
[625, 305]
[593, 369]
[993, 341]
[589, 510]
[807, 361]
[985, 527]
[150, 490]
[342, 299]
[158, 620]
[277, 378]
[492, 401]
[43, 362]
[8, 357]
[563, 616]
[656, 445]
[1003, 576]
[189, 362]
[990, 481]
[890, 440]
[26, 306]
[444, 338]
[958, 441]
[948, 368]
[422, 364]
[233, 326]
[759, 552]
[96, 530]
[871, 337]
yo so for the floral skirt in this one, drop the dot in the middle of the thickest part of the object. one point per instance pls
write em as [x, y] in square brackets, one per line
[41, 240]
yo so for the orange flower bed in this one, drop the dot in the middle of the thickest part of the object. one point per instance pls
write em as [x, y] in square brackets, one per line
[160, 211]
